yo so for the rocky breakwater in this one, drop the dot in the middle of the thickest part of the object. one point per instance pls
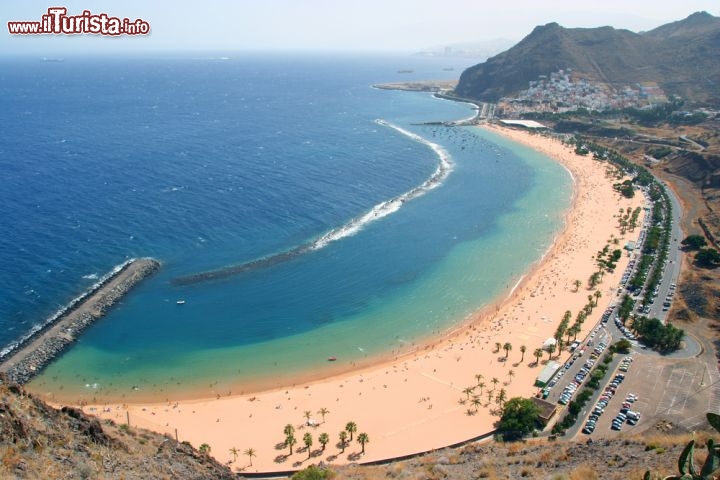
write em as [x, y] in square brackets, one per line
[33, 353]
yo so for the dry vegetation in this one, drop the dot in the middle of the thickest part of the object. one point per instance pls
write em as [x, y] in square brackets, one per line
[38, 441]
[626, 458]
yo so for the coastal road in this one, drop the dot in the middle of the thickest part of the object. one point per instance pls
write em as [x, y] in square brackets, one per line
[674, 260]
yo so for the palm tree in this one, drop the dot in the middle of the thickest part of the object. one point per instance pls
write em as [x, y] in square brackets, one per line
[307, 414]
[577, 284]
[250, 452]
[497, 347]
[476, 402]
[351, 427]
[308, 441]
[288, 430]
[324, 438]
[550, 348]
[570, 332]
[322, 412]
[343, 439]
[501, 397]
[494, 381]
[597, 294]
[523, 349]
[234, 452]
[362, 440]
[538, 353]
[204, 449]
[591, 302]
[489, 395]
[478, 377]
[290, 440]
[507, 347]
[468, 391]
[481, 385]
[511, 373]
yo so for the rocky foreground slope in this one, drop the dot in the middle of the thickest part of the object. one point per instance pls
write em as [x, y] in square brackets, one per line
[38, 441]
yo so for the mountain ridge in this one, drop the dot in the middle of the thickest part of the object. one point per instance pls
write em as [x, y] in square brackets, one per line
[680, 56]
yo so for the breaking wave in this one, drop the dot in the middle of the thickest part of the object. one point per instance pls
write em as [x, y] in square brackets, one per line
[355, 225]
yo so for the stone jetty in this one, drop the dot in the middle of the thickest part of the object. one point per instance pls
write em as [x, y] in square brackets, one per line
[27, 357]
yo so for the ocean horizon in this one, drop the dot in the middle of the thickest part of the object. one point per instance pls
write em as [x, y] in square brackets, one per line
[397, 230]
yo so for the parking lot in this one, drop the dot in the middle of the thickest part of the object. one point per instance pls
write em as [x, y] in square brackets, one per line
[676, 391]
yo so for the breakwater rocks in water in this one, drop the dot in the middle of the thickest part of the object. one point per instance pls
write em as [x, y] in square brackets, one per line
[27, 357]
[381, 210]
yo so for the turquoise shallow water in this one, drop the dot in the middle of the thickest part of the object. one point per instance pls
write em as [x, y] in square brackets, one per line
[205, 164]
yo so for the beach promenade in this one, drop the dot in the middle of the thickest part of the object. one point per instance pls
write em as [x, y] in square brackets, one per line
[444, 392]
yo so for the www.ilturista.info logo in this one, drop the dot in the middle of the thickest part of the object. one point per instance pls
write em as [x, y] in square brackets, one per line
[57, 21]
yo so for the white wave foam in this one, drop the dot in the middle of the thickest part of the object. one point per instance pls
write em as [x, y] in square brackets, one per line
[383, 209]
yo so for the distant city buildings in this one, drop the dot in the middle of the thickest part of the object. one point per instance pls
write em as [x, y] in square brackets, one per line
[564, 91]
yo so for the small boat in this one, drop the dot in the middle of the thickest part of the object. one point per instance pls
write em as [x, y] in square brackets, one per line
[332, 359]
[180, 302]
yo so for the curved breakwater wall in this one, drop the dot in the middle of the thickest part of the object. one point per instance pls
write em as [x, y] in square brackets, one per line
[350, 228]
[24, 359]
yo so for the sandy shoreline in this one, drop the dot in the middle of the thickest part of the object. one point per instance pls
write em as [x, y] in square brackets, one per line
[413, 403]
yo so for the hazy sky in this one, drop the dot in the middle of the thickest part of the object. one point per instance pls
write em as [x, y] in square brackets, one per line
[396, 25]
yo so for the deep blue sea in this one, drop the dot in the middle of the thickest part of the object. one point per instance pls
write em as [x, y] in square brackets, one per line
[206, 162]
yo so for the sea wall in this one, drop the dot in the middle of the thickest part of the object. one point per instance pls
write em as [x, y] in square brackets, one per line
[27, 357]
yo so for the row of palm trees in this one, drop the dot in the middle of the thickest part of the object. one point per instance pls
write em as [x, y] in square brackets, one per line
[250, 452]
[564, 328]
[507, 346]
[345, 436]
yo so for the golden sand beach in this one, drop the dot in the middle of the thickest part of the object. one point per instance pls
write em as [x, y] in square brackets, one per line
[413, 404]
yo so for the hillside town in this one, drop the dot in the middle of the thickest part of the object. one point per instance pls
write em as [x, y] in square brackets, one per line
[565, 90]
